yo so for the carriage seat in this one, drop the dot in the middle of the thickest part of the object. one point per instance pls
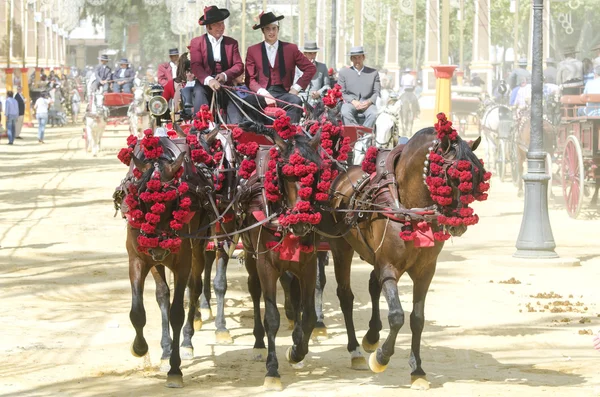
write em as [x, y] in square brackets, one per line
[572, 103]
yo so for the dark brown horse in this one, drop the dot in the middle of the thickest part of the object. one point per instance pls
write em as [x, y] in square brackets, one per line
[265, 266]
[182, 263]
[376, 238]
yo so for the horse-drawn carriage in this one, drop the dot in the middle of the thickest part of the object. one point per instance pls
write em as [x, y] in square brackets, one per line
[578, 147]
[466, 105]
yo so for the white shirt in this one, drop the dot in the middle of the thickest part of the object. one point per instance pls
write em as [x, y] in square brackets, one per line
[359, 71]
[408, 80]
[173, 69]
[41, 106]
[122, 73]
[523, 96]
[272, 54]
[216, 49]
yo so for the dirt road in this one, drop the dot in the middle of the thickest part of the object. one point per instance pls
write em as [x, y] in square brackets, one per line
[65, 298]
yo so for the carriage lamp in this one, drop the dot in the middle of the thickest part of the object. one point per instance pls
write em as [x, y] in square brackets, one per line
[158, 106]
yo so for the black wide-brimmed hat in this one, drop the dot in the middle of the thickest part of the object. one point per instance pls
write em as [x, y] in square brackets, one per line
[123, 61]
[213, 14]
[266, 18]
[173, 51]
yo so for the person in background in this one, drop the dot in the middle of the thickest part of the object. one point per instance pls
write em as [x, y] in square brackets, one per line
[408, 83]
[11, 111]
[320, 82]
[476, 81]
[550, 71]
[184, 78]
[592, 87]
[168, 70]
[517, 73]
[569, 74]
[75, 103]
[103, 74]
[240, 83]
[41, 114]
[21, 101]
[123, 77]
[588, 70]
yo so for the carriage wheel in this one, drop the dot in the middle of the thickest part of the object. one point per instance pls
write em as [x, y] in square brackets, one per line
[514, 164]
[501, 159]
[572, 176]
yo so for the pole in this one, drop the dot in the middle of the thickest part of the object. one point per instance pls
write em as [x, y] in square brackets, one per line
[535, 238]
[414, 54]
[301, 22]
[357, 22]
[377, 32]
[462, 35]
[9, 34]
[445, 33]
[516, 40]
[333, 50]
[244, 26]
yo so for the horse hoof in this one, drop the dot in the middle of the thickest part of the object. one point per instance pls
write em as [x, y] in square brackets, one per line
[223, 337]
[165, 366]
[374, 364]
[358, 362]
[288, 356]
[174, 381]
[272, 384]
[206, 313]
[186, 353]
[319, 333]
[367, 346]
[136, 354]
[291, 324]
[419, 383]
[259, 354]
[197, 324]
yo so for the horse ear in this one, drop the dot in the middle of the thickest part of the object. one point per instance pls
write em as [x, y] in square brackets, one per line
[475, 144]
[316, 140]
[139, 164]
[211, 136]
[281, 144]
[176, 165]
[178, 130]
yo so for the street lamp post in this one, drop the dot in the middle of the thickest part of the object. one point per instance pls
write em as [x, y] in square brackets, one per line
[535, 238]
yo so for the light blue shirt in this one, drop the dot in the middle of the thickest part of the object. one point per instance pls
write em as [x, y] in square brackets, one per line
[11, 107]
[592, 87]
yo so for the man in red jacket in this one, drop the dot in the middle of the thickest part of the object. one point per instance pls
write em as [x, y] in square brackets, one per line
[168, 70]
[215, 60]
[270, 69]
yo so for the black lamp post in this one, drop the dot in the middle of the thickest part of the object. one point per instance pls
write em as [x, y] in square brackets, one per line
[535, 238]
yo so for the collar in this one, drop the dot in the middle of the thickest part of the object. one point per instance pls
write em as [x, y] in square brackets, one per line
[172, 63]
[359, 71]
[213, 40]
[275, 45]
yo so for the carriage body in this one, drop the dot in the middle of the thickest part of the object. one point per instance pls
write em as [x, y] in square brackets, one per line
[578, 147]
[117, 104]
[466, 103]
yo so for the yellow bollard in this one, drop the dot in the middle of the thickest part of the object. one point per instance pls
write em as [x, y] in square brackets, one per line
[443, 75]
[9, 79]
[25, 85]
[38, 77]
[460, 77]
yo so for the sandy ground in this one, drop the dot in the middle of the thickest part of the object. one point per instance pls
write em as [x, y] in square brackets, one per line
[65, 296]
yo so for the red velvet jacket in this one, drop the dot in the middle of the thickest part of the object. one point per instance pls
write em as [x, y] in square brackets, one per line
[256, 78]
[164, 73]
[199, 59]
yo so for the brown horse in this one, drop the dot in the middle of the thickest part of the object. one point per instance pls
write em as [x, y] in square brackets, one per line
[265, 266]
[181, 263]
[376, 238]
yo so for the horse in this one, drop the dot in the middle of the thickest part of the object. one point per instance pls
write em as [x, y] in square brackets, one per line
[407, 111]
[377, 237]
[386, 125]
[139, 117]
[95, 123]
[267, 245]
[165, 174]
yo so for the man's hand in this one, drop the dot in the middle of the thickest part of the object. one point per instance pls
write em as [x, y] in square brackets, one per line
[270, 100]
[120, 82]
[315, 95]
[356, 104]
[363, 105]
[214, 84]
[103, 81]
[293, 91]
[220, 77]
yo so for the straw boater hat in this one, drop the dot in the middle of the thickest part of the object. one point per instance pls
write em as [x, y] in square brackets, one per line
[266, 18]
[522, 62]
[358, 50]
[103, 57]
[310, 46]
[213, 14]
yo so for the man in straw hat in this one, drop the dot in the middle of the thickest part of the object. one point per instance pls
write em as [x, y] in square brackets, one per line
[320, 82]
[570, 72]
[168, 70]
[215, 60]
[519, 71]
[102, 73]
[360, 89]
[550, 71]
[123, 78]
[270, 67]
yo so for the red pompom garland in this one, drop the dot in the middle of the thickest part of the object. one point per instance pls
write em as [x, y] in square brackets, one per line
[333, 96]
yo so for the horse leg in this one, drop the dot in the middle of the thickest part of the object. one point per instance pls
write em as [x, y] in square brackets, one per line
[259, 350]
[379, 359]
[286, 280]
[220, 284]
[370, 341]
[421, 282]
[181, 275]
[205, 310]
[268, 282]
[164, 303]
[342, 259]
[301, 337]
[194, 319]
[138, 270]
[594, 200]
[322, 259]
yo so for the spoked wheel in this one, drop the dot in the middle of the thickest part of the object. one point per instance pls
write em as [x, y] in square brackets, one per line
[572, 176]
[501, 159]
[514, 164]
